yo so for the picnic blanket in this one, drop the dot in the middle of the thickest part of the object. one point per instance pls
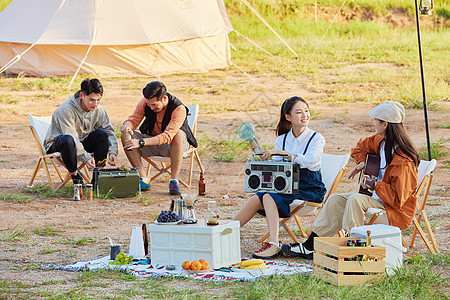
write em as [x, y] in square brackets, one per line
[144, 268]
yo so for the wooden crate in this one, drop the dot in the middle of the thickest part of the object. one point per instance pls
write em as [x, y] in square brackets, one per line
[330, 264]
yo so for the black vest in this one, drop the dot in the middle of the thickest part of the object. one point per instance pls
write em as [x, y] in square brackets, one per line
[150, 120]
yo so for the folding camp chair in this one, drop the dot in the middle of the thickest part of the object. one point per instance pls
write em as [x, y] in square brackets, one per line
[333, 169]
[164, 162]
[39, 127]
[425, 177]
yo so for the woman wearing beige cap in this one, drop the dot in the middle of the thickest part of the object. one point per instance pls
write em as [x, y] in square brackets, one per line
[393, 190]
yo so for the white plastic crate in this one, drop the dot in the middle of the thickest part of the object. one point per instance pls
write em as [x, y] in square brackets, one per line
[219, 245]
[385, 236]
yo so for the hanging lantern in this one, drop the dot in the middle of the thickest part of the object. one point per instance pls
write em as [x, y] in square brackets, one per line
[426, 7]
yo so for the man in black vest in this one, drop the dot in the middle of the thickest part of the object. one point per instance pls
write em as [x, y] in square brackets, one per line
[164, 132]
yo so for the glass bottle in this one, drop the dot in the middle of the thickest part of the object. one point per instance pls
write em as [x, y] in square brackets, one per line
[201, 185]
[369, 239]
[77, 192]
[145, 236]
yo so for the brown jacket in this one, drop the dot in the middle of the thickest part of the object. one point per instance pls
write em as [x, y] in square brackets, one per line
[399, 183]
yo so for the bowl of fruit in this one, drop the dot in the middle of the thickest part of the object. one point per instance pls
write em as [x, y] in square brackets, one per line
[167, 217]
[122, 259]
[196, 266]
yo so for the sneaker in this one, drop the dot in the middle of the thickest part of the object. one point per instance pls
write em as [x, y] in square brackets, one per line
[297, 250]
[174, 187]
[267, 251]
[144, 183]
[76, 179]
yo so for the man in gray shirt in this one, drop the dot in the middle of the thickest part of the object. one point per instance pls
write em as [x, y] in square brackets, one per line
[79, 127]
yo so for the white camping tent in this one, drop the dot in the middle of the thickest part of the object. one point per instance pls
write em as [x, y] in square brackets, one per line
[113, 37]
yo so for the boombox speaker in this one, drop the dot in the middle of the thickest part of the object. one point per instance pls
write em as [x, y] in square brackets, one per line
[278, 176]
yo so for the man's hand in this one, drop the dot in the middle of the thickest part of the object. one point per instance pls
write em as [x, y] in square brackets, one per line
[131, 144]
[112, 159]
[125, 128]
[359, 167]
[90, 164]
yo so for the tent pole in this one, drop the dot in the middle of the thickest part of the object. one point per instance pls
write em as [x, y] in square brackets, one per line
[79, 66]
[423, 83]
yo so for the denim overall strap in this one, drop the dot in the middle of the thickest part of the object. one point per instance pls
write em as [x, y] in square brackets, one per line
[307, 145]
[284, 141]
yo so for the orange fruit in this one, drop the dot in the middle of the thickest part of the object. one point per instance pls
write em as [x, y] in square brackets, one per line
[186, 265]
[205, 266]
[196, 265]
[202, 261]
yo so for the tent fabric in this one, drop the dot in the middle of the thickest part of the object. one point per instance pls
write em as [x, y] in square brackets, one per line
[133, 37]
[195, 55]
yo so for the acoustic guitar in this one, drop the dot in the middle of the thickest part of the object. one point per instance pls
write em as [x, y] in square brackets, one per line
[372, 169]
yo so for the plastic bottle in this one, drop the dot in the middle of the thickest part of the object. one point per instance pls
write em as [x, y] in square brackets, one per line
[201, 185]
[89, 191]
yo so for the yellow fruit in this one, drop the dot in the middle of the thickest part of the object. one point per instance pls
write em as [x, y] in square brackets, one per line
[256, 267]
[251, 262]
[212, 221]
[202, 261]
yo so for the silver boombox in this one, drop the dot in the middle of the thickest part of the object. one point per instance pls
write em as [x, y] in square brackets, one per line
[279, 176]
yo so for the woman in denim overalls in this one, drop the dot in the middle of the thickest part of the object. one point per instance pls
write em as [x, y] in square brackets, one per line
[294, 138]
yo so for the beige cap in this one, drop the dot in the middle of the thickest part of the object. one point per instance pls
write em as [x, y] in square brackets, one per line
[391, 112]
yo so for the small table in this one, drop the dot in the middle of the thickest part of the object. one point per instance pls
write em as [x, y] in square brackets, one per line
[219, 244]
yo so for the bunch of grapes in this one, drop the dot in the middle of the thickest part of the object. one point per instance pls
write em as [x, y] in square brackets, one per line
[122, 259]
[167, 216]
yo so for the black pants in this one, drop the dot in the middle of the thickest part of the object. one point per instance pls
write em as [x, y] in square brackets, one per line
[96, 142]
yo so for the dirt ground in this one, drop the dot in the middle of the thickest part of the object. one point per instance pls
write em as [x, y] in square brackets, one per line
[341, 125]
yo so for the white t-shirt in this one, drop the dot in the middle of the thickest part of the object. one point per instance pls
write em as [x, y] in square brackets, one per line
[312, 160]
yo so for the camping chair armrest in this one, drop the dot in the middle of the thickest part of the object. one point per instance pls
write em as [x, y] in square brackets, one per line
[315, 204]
[372, 211]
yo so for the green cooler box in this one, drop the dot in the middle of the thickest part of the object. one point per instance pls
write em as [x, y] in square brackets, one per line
[116, 183]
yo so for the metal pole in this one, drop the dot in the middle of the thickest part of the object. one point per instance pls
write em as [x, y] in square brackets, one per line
[423, 82]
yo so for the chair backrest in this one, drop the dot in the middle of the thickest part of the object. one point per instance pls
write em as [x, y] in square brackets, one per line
[425, 168]
[40, 125]
[331, 166]
[192, 117]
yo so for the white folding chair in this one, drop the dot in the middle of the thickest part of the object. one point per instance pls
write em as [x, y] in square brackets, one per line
[424, 179]
[333, 169]
[39, 127]
[162, 164]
